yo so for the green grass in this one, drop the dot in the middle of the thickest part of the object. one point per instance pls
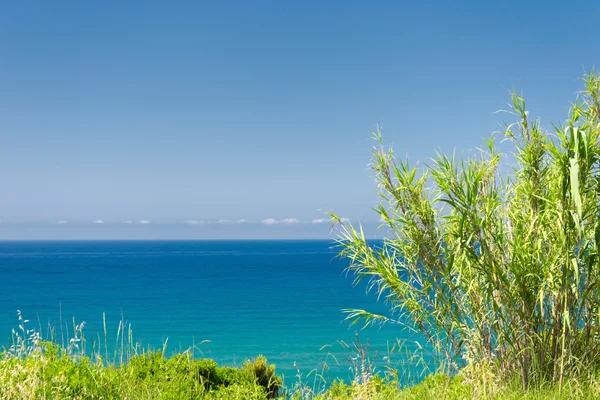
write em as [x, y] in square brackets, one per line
[33, 368]
[62, 366]
[49, 372]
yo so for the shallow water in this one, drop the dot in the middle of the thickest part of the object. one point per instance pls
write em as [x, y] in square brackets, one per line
[282, 299]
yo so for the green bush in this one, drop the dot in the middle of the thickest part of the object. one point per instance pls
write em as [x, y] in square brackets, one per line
[49, 372]
[500, 272]
[264, 374]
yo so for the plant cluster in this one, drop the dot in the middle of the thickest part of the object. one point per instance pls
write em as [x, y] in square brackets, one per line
[499, 271]
[32, 368]
[50, 372]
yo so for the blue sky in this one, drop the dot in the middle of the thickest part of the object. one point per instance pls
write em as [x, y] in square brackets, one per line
[210, 111]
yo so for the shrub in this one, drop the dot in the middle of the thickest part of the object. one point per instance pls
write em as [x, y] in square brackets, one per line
[265, 375]
[496, 270]
[33, 368]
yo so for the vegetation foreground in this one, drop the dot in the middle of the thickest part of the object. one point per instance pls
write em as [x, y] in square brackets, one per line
[500, 273]
[52, 372]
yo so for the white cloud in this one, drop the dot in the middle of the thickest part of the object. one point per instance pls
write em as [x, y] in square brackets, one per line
[194, 222]
[231, 221]
[328, 220]
[61, 222]
[128, 222]
[98, 221]
[273, 221]
[143, 222]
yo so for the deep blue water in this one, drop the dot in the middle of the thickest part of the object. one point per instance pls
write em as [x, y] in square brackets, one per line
[282, 299]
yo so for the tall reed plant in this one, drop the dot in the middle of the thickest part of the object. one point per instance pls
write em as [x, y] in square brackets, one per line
[496, 269]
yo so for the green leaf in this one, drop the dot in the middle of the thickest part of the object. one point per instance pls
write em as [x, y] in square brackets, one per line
[574, 172]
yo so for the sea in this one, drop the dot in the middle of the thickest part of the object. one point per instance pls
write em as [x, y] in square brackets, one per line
[225, 300]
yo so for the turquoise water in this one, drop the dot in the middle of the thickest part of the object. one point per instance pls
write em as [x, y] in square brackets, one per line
[277, 298]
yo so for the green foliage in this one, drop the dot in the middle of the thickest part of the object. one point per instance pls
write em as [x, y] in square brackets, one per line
[440, 386]
[50, 372]
[433, 387]
[339, 390]
[498, 271]
[47, 370]
[264, 375]
[35, 368]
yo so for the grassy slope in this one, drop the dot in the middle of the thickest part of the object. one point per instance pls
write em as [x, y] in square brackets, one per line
[54, 374]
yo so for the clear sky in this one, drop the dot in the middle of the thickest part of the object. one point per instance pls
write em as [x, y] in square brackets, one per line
[209, 111]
